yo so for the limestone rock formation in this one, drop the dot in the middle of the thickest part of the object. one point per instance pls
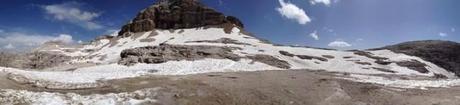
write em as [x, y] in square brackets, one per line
[42, 60]
[177, 14]
[32, 60]
[164, 53]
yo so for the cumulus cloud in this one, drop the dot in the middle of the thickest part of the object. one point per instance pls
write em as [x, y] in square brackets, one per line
[314, 35]
[442, 34]
[339, 44]
[9, 46]
[66, 38]
[452, 29]
[112, 32]
[24, 41]
[71, 13]
[325, 2]
[293, 12]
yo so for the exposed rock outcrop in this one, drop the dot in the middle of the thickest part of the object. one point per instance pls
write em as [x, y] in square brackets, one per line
[165, 52]
[33, 60]
[378, 60]
[177, 14]
[10, 60]
[42, 60]
[308, 57]
[221, 40]
[270, 60]
[285, 53]
[442, 53]
[414, 65]
[311, 57]
[384, 70]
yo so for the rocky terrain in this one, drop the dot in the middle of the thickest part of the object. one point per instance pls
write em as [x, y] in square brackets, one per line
[33, 60]
[180, 52]
[293, 87]
[177, 14]
[442, 53]
[164, 53]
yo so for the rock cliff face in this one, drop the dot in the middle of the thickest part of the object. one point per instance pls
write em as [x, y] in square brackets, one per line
[33, 60]
[177, 14]
[164, 53]
[442, 53]
[10, 60]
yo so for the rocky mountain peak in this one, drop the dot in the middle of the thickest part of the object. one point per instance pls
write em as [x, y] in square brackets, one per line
[177, 14]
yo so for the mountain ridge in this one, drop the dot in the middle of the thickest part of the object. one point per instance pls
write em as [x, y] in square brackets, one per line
[442, 53]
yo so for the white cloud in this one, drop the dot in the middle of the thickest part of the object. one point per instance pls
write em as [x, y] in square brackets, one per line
[359, 39]
[339, 44]
[24, 41]
[112, 32]
[442, 34]
[64, 38]
[291, 11]
[70, 12]
[9, 46]
[314, 35]
[452, 29]
[325, 2]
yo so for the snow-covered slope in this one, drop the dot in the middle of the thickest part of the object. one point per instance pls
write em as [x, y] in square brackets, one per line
[200, 41]
[106, 53]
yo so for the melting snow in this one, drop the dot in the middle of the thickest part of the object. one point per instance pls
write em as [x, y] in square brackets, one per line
[420, 84]
[89, 76]
[107, 52]
[13, 97]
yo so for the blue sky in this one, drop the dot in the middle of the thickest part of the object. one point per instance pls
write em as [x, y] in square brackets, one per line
[342, 24]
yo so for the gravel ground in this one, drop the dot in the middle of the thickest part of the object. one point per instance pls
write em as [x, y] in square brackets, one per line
[291, 87]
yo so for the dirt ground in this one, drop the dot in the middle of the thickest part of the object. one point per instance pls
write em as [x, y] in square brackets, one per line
[293, 87]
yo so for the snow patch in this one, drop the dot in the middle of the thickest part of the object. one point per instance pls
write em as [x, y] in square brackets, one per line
[13, 97]
[107, 53]
[90, 77]
[399, 83]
